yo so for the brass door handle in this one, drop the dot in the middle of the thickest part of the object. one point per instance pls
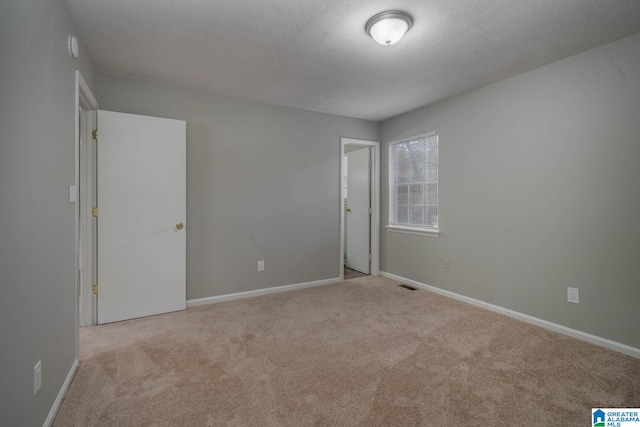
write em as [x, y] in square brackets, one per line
[348, 209]
[179, 226]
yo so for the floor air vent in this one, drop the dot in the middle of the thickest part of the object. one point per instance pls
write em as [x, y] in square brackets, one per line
[408, 287]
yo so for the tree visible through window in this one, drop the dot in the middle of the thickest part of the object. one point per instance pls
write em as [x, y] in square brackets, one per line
[414, 182]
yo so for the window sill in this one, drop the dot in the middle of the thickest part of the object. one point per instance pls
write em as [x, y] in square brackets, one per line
[410, 230]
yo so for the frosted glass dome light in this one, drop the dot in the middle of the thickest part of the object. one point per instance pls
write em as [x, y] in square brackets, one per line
[388, 27]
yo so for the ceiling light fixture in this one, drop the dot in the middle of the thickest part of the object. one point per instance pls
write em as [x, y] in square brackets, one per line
[388, 27]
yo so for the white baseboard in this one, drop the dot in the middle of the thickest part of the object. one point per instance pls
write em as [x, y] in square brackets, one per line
[259, 292]
[63, 391]
[583, 336]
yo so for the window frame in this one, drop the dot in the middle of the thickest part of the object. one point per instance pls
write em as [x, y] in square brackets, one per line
[410, 229]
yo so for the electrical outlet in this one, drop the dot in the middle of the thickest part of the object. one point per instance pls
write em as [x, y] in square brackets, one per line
[37, 376]
[573, 295]
[260, 265]
[446, 263]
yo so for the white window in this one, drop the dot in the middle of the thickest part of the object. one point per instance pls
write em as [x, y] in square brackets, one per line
[413, 184]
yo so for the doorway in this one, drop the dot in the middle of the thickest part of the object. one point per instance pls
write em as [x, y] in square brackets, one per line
[82, 195]
[158, 194]
[359, 201]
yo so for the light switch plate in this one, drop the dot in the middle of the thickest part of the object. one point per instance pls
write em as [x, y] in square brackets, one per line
[73, 194]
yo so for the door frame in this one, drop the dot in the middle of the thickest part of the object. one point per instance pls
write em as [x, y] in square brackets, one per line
[85, 103]
[374, 232]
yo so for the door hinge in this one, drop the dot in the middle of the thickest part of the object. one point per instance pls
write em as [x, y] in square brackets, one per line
[94, 212]
[94, 289]
[94, 134]
[370, 257]
[370, 212]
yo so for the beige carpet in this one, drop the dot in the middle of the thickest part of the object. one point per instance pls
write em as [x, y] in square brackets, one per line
[360, 353]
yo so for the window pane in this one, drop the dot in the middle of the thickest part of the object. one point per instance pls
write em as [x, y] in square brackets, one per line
[432, 217]
[417, 215]
[402, 153]
[417, 148]
[417, 155]
[402, 171]
[402, 194]
[432, 171]
[432, 157]
[416, 196]
[432, 145]
[403, 217]
[432, 194]
[418, 170]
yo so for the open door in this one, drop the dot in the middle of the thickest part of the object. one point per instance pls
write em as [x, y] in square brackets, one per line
[141, 216]
[358, 216]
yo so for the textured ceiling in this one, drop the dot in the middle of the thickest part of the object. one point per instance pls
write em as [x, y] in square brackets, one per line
[315, 55]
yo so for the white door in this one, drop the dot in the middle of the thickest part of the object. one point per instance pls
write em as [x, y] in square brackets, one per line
[358, 209]
[141, 215]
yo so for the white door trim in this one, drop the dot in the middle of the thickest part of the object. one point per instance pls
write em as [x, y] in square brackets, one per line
[85, 100]
[375, 203]
[87, 196]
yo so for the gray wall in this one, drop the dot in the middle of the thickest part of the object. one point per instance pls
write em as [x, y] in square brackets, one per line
[539, 190]
[263, 182]
[37, 289]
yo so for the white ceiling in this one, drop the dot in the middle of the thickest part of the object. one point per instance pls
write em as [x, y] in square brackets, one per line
[315, 54]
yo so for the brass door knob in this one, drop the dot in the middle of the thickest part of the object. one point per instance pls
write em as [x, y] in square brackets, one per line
[348, 209]
[179, 226]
